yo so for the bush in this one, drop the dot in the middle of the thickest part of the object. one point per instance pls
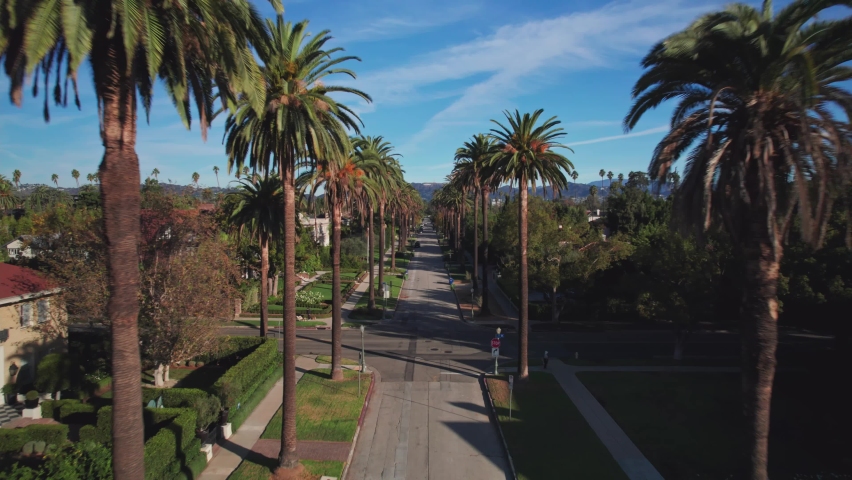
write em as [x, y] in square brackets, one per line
[242, 379]
[13, 440]
[32, 396]
[89, 433]
[53, 373]
[252, 400]
[199, 364]
[78, 460]
[173, 397]
[230, 347]
[207, 411]
[169, 448]
[29, 448]
[50, 408]
[39, 447]
[76, 412]
[190, 363]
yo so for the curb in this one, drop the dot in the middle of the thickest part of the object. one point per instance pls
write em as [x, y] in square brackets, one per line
[499, 428]
[376, 378]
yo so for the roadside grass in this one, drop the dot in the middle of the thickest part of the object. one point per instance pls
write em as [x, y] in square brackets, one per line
[690, 425]
[325, 410]
[395, 283]
[324, 289]
[279, 323]
[261, 468]
[357, 322]
[327, 359]
[547, 436]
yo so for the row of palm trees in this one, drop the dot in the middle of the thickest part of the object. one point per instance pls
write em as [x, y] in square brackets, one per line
[764, 120]
[281, 115]
[75, 174]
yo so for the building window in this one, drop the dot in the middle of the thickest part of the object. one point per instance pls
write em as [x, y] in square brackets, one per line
[13, 252]
[43, 310]
[26, 314]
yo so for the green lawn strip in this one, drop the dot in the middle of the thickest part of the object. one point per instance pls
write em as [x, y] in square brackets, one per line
[357, 322]
[547, 436]
[395, 283]
[277, 323]
[325, 410]
[690, 425]
[262, 469]
[325, 289]
[327, 359]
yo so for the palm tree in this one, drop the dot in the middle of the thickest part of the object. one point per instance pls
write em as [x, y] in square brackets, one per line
[756, 94]
[75, 174]
[8, 200]
[593, 192]
[342, 177]
[55, 179]
[526, 155]
[609, 176]
[16, 175]
[574, 176]
[602, 173]
[130, 45]
[620, 178]
[155, 173]
[216, 172]
[90, 177]
[195, 178]
[256, 209]
[299, 122]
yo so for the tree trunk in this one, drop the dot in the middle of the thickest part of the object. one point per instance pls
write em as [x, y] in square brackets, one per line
[759, 341]
[371, 301]
[165, 374]
[393, 253]
[458, 237]
[475, 240]
[381, 244]
[264, 282]
[158, 376]
[523, 308]
[121, 198]
[485, 270]
[275, 285]
[336, 321]
[680, 341]
[287, 457]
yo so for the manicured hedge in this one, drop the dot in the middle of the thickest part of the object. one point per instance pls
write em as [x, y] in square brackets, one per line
[168, 450]
[50, 408]
[241, 346]
[243, 378]
[76, 412]
[90, 433]
[173, 397]
[12, 440]
[252, 400]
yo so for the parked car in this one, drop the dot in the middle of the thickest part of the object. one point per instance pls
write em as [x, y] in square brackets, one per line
[416, 244]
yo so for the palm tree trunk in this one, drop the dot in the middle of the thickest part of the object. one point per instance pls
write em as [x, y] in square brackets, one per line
[121, 199]
[458, 237]
[393, 253]
[381, 244]
[759, 342]
[485, 270]
[336, 303]
[371, 302]
[264, 284]
[475, 240]
[523, 313]
[287, 457]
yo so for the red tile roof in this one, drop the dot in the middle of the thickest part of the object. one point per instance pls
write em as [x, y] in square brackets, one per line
[16, 281]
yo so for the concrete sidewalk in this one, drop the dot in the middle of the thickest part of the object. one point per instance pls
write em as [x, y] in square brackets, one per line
[622, 449]
[235, 449]
[359, 292]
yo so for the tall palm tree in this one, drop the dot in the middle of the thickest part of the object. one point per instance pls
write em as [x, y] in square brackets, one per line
[609, 176]
[55, 179]
[300, 122]
[195, 178]
[75, 174]
[256, 209]
[16, 175]
[216, 172]
[574, 176]
[90, 177]
[155, 173]
[342, 177]
[525, 156]
[757, 95]
[8, 200]
[602, 173]
[130, 45]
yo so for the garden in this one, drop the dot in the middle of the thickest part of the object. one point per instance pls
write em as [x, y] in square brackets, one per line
[221, 386]
[361, 312]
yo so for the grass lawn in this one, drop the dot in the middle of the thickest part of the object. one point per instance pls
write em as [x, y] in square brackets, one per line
[548, 437]
[202, 378]
[395, 282]
[325, 410]
[277, 323]
[327, 359]
[253, 468]
[325, 289]
[690, 425]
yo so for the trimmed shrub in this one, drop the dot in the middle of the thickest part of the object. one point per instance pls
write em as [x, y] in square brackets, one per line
[173, 397]
[105, 425]
[50, 408]
[243, 378]
[199, 364]
[167, 451]
[207, 410]
[39, 447]
[190, 363]
[29, 448]
[53, 373]
[251, 400]
[13, 440]
[230, 347]
[76, 412]
[89, 433]
[32, 396]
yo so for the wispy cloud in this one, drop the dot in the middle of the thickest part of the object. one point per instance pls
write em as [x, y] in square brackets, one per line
[407, 18]
[593, 123]
[516, 56]
[641, 133]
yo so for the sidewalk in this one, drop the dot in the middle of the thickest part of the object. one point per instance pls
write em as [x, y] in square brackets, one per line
[623, 450]
[360, 291]
[235, 449]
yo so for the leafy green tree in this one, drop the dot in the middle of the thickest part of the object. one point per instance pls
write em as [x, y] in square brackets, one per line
[756, 92]
[525, 155]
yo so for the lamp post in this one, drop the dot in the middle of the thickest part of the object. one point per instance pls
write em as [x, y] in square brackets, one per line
[363, 361]
[498, 356]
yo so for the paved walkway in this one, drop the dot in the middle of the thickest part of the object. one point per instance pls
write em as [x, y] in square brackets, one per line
[236, 448]
[360, 291]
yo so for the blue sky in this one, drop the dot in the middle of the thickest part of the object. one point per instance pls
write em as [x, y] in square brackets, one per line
[438, 72]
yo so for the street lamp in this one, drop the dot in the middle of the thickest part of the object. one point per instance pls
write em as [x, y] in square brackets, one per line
[363, 362]
[496, 357]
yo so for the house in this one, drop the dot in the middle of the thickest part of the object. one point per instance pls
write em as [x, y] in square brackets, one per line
[318, 227]
[593, 215]
[26, 301]
[19, 248]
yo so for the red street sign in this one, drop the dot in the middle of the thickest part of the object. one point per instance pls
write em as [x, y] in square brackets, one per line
[495, 343]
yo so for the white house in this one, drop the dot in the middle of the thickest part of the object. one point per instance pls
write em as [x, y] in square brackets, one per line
[19, 248]
[319, 228]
